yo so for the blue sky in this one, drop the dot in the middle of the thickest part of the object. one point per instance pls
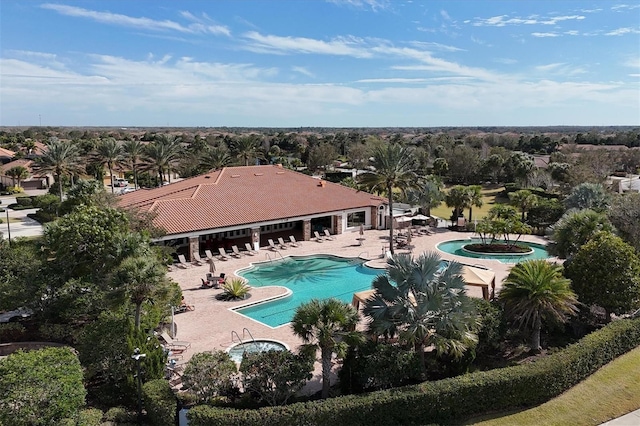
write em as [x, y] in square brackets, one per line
[337, 63]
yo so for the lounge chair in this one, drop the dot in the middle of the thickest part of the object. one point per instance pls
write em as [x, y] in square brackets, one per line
[182, 262]
[172, 344]
[272, 245]
[293, 242]
[283, 245]
[235, 252]
[250, 250]
[318, 237]
[223, 254]
[197, 260]
[328, 235]
[208, 254]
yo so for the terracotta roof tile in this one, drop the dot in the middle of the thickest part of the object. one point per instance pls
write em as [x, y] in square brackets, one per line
[242, 195]
[6, 153]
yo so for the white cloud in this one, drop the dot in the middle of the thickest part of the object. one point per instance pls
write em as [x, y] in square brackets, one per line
[504, 20]
[545, 35]
[392, 80]
[445, 15]
[374, 5]
[625, 7]
[283, 45]
[560, 68]
[138, 23]
[622, 31]
[303, 71]
[436, 46]
[506, 61]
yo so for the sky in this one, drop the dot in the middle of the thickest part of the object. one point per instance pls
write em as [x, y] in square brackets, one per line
[317, 63]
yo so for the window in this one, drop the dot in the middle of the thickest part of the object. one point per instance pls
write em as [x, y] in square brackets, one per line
[355, 219]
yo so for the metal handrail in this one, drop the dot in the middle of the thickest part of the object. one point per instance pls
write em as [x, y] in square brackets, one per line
[364, 252]
[249, 333]
[233, 332]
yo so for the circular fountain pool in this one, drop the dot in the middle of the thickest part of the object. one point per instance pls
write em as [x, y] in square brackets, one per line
[253, 346]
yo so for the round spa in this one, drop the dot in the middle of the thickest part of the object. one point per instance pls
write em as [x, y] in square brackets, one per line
[252, 346]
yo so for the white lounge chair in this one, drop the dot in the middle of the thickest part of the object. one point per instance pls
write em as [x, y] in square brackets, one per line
[250, 250]
[197, 260]
[318, 237]
[283, 245]
[223, 254]
[208, 254]
[235, 252]
[173, 344]
[293, 242]
[328, 235]
[182, 262]
[272, 245]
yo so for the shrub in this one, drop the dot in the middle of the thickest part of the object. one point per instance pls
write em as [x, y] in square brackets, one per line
[120, 414]
[160, 403]
[40, 387]
[56, 332]
[235, 289]
[12, 332]
[210, 374]
[449, 400]
[24, 201]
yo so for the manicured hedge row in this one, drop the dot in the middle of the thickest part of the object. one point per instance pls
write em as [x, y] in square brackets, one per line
[448, 400]
[160, 402]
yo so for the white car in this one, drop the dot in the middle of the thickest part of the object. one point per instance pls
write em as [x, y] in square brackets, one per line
[125, 190]
[119, 182]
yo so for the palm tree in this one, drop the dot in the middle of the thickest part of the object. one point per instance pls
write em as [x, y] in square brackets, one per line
[458, 198]
[161, 154]
[423, 302]
[524, 200]
[60, 158]
[474, 192]
[133, 152]
[535, 290]
[245, 148]
[328, 325]
[215, 158]
[139, 278]
[109, 153]
[393, 168]
[427, 196]
[18, 173]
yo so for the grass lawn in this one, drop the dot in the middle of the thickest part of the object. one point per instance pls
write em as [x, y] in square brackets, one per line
[489, 199]
[611, 392]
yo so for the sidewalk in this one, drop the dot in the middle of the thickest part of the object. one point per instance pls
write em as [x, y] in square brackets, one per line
[631, 419]
[26, 227]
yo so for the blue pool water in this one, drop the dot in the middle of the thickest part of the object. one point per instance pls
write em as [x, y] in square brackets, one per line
[311, 277]
[455, 247]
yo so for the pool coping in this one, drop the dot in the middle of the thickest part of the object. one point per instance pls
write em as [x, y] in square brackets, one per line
[437, 247]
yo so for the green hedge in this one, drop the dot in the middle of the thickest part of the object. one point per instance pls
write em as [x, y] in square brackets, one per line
[448, 400]
[160, 402]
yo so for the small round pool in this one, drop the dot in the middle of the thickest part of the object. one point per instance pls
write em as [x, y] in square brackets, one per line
[261, 345]
[457, 247]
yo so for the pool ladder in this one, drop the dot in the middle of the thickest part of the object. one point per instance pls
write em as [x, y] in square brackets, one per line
[245, 331]
[274, 257]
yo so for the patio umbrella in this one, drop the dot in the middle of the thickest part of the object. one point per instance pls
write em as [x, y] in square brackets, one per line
[212, 266]
[420, 217]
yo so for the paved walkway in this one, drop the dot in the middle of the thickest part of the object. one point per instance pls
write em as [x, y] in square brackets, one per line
[24, 227]
[631, 419]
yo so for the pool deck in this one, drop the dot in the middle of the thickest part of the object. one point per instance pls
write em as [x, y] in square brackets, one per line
[210, 325]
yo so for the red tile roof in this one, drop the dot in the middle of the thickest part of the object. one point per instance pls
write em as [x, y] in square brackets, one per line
[6, 153]
[236, 196]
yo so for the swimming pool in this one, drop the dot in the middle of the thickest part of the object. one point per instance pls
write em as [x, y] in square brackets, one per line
[455, 247]
[308, 277]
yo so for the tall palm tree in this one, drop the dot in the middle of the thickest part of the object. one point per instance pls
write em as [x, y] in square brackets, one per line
[161, 154]
[108, 153]
[215, 158]
[524, 200]
[133, 153]
[60, 158]
[428, 195]
[393, 168]
[139, 279]
[18, 173]
[458, 198]
[245, 148]
[328, 325]
[423, 302]
[535, 290]
[474, 192]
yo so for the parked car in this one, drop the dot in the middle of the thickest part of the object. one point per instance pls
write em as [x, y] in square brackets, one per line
[120, 183]
[125, 190]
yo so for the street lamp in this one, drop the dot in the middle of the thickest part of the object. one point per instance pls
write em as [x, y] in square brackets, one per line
[137, 356]
[8, 228]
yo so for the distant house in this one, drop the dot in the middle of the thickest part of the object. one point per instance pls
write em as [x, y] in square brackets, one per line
[252, 204]
[6, 155]
[35, 180]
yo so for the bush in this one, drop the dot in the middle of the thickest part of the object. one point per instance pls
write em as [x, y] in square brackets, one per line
[160, 403]
[12, 332]
[56, 333]
[120, 415]
[209, 375]
[448, 400]
[24, 201]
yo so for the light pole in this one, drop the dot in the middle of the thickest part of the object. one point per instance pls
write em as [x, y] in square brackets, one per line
[8, 228]
[137, 356]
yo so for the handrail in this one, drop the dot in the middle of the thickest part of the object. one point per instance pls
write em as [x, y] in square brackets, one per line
[249, 333]
[278, 252]
[266, 256]
[238, 336]
[363, 252]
